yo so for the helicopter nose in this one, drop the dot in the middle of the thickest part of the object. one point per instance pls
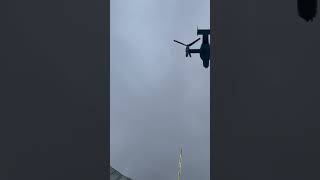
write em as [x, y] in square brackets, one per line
[205, 64]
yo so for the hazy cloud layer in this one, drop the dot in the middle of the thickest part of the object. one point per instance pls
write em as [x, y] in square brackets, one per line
[159, 99]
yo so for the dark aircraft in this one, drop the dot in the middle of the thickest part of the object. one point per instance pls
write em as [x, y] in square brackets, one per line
[307, 9]
[204, 50]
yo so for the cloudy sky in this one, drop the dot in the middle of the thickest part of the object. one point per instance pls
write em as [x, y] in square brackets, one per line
[159, 99]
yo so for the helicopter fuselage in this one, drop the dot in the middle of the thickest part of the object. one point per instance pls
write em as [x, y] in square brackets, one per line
[205, 51]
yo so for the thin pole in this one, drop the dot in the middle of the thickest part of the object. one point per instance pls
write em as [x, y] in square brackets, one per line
[180, 164]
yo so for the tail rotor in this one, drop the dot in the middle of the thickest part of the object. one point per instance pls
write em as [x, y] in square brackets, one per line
[187, 46]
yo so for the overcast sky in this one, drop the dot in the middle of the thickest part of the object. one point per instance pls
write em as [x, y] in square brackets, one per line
[159, 99]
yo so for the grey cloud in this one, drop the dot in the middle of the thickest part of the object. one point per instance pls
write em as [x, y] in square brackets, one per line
[159, 99]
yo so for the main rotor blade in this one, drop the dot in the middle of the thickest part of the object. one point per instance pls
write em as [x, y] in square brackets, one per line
[179, 42]
[194, 42]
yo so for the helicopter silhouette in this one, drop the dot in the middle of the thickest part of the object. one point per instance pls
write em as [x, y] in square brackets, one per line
[204, 50]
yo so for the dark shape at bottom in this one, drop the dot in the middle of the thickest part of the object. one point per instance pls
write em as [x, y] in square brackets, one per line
[116, 175]
[307, 9]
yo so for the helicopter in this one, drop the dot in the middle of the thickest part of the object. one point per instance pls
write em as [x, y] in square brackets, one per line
[204, 50]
